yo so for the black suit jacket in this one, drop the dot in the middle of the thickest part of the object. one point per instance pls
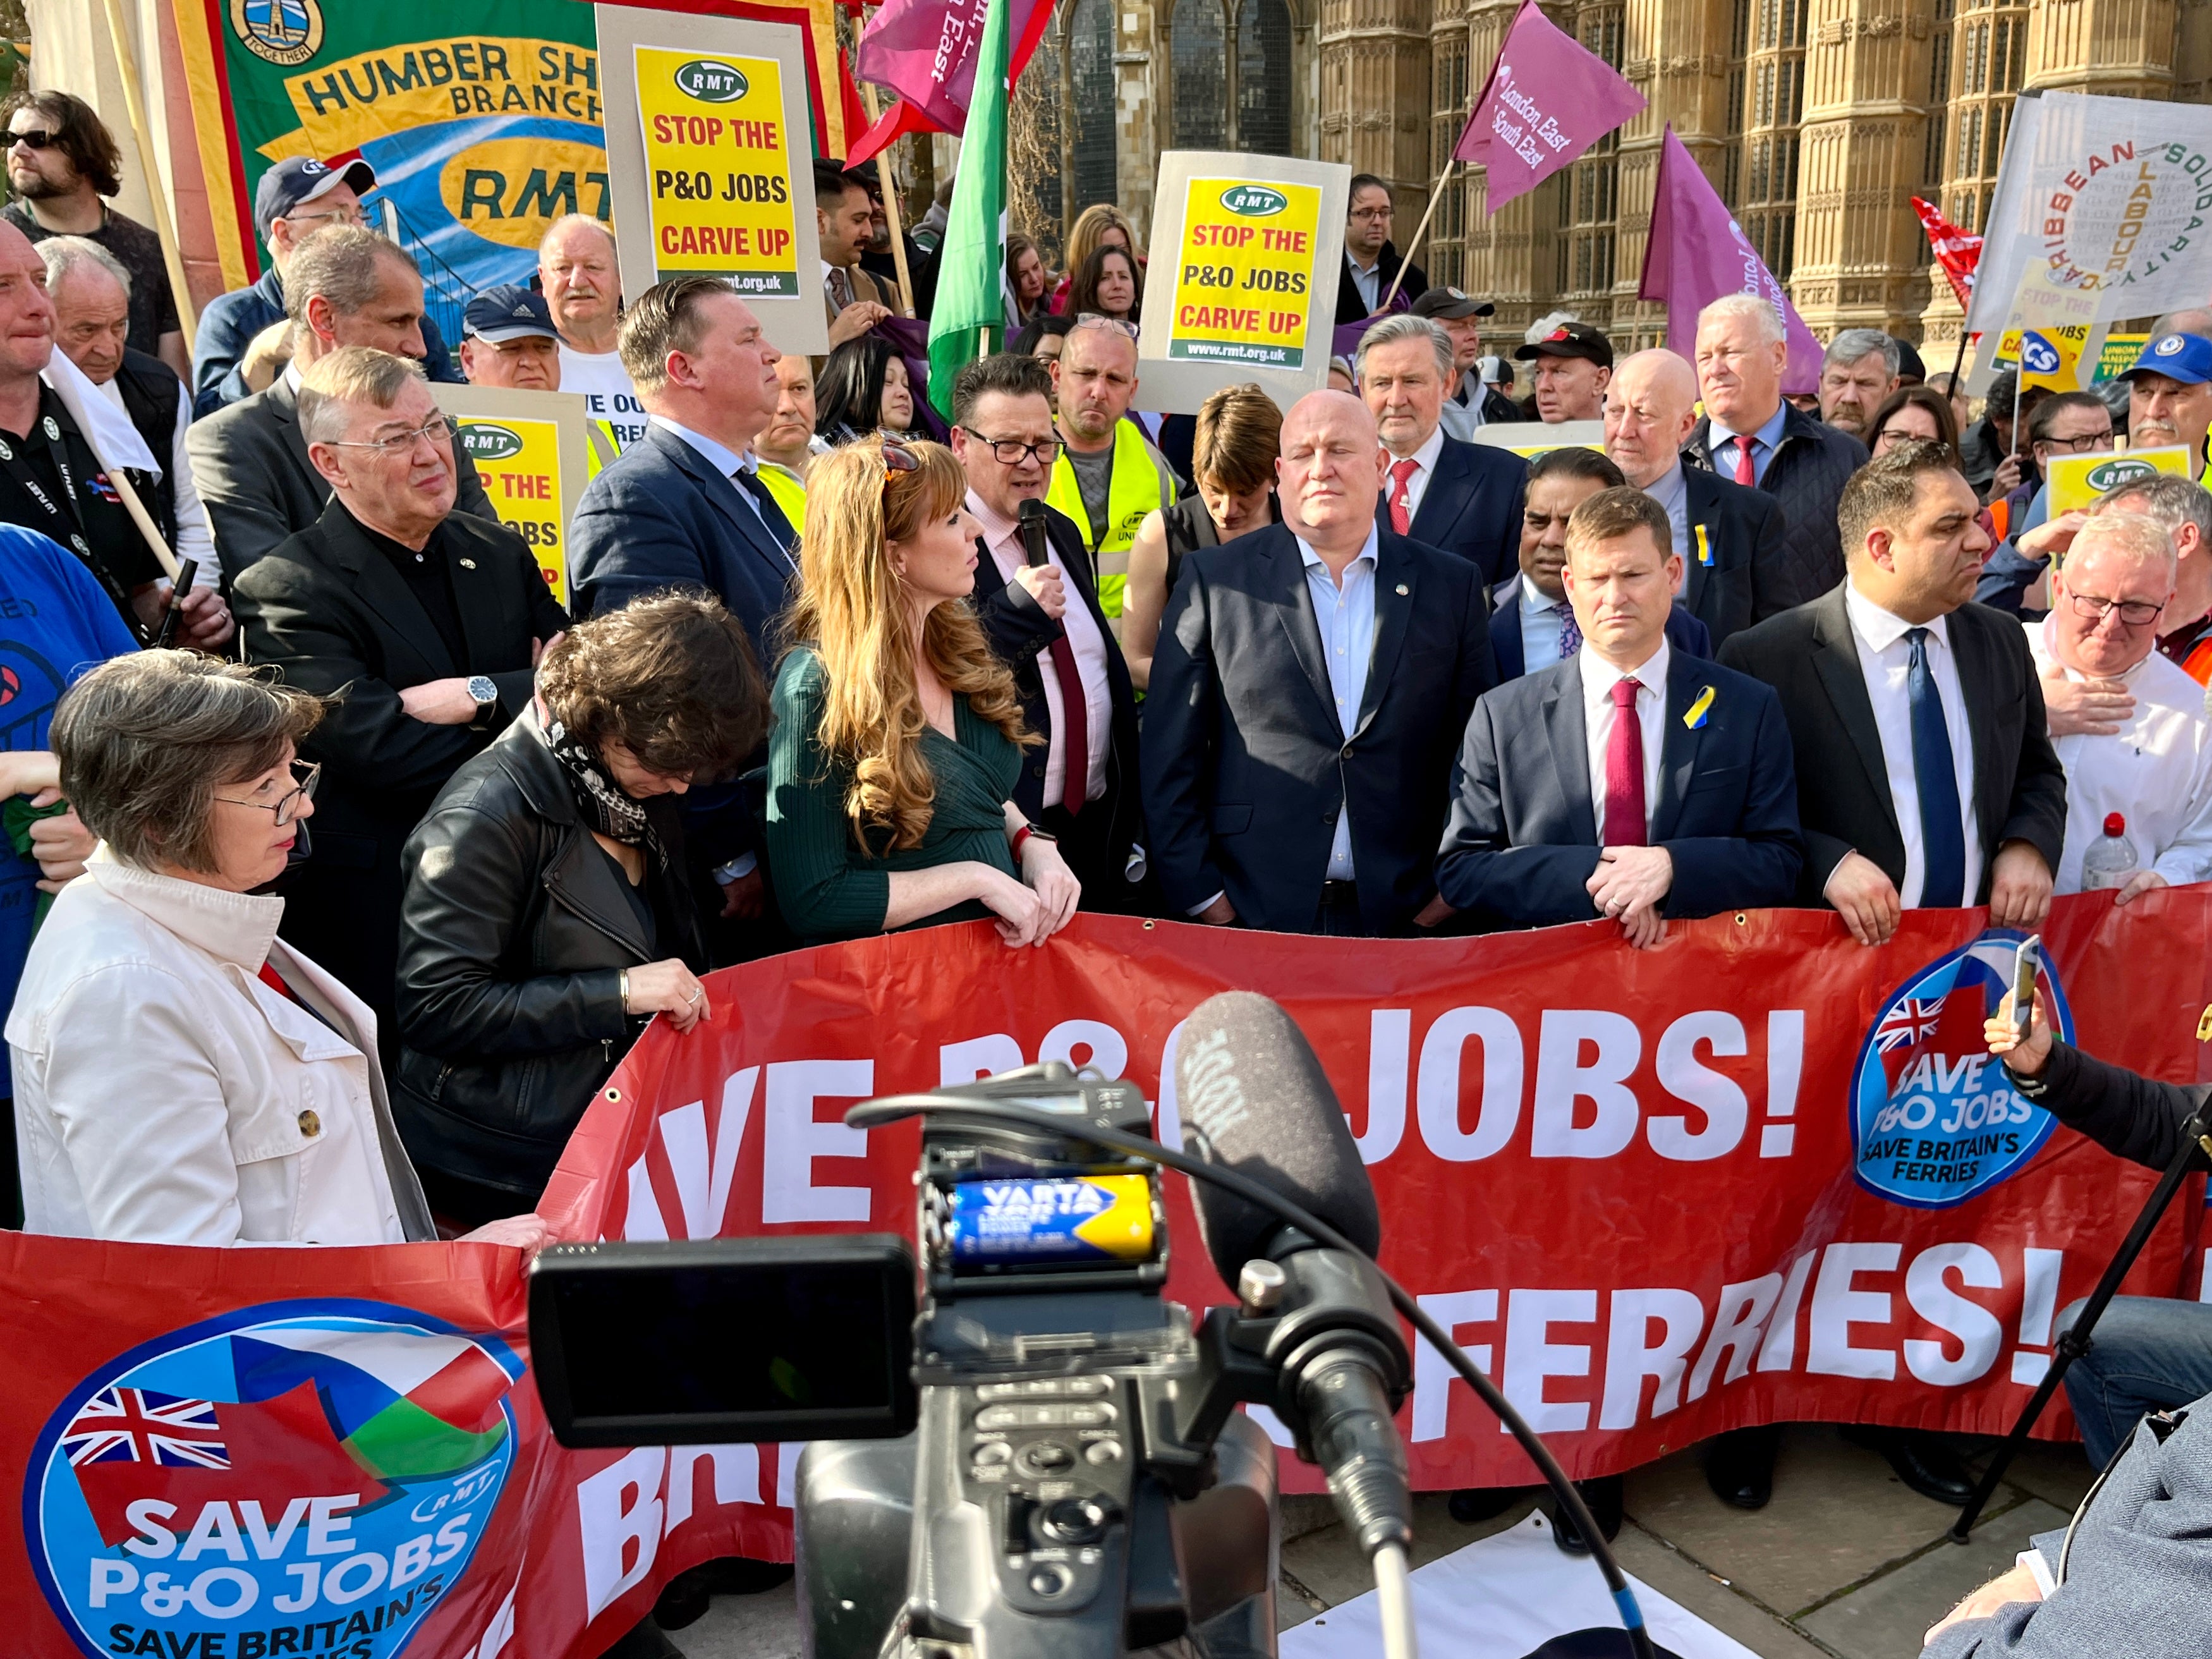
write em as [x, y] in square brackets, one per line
[1741, 574]
[1350, 308]
[1021, 634]
[330, 611]
[249, 461]
[1811, 463]
[1810, 657]
[1246, 765]
[1522, 842]
[1685, 633]
[1472, 507]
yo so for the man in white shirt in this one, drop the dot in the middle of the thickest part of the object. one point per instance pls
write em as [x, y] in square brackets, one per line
[2154, 767]
[582, 285]
[1045, 623]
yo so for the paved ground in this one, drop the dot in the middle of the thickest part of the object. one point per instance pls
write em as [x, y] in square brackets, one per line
[1846, 1562]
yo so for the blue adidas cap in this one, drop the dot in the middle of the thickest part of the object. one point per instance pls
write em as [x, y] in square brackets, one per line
[508, 312]
[2184, 357]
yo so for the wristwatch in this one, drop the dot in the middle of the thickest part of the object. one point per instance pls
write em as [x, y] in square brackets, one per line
[484, 693]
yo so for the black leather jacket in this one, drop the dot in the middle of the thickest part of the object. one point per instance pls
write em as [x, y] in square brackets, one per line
[512, 936]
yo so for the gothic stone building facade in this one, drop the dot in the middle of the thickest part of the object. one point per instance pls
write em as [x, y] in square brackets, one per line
[1817, 119]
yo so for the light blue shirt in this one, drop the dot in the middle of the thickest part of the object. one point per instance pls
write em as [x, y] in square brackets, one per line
[1346, 616]
[1769, 435]
[1542, 625]
[1672, 491]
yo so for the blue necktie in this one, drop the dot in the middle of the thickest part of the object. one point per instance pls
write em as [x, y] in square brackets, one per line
[1935, 781]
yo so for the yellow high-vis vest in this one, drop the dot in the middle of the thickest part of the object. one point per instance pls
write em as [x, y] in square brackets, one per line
[788, 493]
[1139, 483]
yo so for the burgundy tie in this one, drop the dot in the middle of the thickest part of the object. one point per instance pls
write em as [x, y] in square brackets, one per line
[1746, 474]
[1624, 771]
[1401, 477]
[1075, 723]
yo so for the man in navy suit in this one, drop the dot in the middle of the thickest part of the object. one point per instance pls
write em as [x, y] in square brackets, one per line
[684, 507]
[1464, 498]
[1730, 536]
[1532, 625]
[1309, 686]
[1628, 780]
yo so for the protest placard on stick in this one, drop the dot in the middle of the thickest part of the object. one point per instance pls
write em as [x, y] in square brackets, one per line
[530, 449]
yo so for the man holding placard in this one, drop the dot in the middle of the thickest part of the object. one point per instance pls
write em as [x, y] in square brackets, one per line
[583, 292]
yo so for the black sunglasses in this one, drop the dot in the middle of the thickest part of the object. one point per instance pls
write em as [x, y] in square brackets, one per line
[36, 139]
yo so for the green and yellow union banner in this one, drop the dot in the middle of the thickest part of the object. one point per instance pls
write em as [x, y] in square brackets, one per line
[482, 117]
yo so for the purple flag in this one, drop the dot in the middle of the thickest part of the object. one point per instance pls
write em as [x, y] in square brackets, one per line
[1697, 252]
[1548, 100]
[925, 52]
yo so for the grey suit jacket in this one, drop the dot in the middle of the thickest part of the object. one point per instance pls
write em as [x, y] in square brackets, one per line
[249, 460]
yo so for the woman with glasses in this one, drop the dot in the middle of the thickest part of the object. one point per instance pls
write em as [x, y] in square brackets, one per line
[182, 1075]
[1107, 285]
[898, 734]
[548, 915]
[863, 389]
[1912, 412]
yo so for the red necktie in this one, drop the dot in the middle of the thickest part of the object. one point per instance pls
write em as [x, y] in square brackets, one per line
[1624, 771]
[270, 977]
[1402, 477]
[1075, 723]
[1746, 474]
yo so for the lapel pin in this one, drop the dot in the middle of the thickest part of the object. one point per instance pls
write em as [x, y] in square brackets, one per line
[1704, 547]
[53, 430]
[468, 564]
[1694, 716]
[1403, 590]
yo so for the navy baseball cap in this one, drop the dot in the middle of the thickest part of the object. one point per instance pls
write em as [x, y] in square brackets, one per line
[508, 312]
[299, 179]
[2184, 357]
[1450, 305]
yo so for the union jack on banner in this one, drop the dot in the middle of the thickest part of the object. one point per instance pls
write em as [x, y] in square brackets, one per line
[1959, 251]
[1913, 1020]
[137, 1426]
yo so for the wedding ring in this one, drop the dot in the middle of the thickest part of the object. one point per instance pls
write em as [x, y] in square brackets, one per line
[696, 993]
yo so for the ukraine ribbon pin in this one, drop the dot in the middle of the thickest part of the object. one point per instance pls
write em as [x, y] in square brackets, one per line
[1704, 547]
[1694, 716]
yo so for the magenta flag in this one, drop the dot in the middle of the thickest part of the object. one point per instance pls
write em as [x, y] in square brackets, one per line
[925, 52]
[1548, 99]
[1697, 252]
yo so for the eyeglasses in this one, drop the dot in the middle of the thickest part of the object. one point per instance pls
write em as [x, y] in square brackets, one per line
[305, 774]
[2077, 446]
[1373, 213]
[439, 431]
[2133, 612]
[352, 215]
[36, 139]
[1093, 320]
[1008, 452]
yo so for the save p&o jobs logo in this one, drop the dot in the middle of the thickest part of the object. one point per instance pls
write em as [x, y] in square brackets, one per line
[299, 1477]
[1935, 1120]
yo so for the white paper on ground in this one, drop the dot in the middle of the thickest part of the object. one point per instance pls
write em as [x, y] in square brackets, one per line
[1503, 1597]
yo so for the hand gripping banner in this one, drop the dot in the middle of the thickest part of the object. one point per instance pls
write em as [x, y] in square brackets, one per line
[1759, 1173]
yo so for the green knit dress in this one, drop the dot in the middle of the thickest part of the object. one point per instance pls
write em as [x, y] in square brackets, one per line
[827, 886]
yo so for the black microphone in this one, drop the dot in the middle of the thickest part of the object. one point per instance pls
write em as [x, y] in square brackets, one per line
[1253, 1098]
[1031, 518]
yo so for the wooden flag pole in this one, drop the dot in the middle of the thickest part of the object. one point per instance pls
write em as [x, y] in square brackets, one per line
[134, 101]
[1405, 260]
[889, 184]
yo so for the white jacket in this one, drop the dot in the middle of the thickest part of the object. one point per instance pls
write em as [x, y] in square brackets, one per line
[165, 1094]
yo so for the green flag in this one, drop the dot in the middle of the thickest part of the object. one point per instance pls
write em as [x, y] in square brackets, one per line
[972, 262]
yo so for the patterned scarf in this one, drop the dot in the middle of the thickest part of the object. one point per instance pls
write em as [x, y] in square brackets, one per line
[607, 808]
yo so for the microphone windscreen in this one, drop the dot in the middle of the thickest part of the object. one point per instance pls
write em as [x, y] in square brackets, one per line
[1252, 1097]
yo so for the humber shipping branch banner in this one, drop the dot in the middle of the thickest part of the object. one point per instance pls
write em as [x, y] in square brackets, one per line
[484, 119]
[1242, 288]
[1759, 1174]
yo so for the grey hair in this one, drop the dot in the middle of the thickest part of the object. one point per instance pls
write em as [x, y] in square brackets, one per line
[568, 219]
[145, 740]
[1856, 343]
[1752, 309]
[1404, 325]
[63, 254]
[344, 264]
[2137, 535]
[2170, 499]
[334, 386]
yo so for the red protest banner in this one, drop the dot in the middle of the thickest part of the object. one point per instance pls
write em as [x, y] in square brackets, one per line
[1759, 1174]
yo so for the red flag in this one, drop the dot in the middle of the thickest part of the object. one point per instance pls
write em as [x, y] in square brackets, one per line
[1959, 251]
[1548, 99]
[925, 52]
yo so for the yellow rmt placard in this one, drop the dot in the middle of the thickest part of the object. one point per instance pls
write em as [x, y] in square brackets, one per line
[519, 462]
[1245, 275]
[718, 161]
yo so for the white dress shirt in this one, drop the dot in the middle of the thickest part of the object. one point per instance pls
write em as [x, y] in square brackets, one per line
[1002, 537]
[2156, 771]
[1885, 659]
[1424, 468]
[1541, 625]
[1599, 677]
[1346, 618]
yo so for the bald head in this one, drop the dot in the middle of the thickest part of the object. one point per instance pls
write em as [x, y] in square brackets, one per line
[1649, 409]
[1330, 472]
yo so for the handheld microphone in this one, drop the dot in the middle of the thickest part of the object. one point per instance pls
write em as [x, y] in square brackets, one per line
[1254, 1098]
[1031, 521]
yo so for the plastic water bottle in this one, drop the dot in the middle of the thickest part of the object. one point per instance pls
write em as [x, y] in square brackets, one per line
[2111, 858]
